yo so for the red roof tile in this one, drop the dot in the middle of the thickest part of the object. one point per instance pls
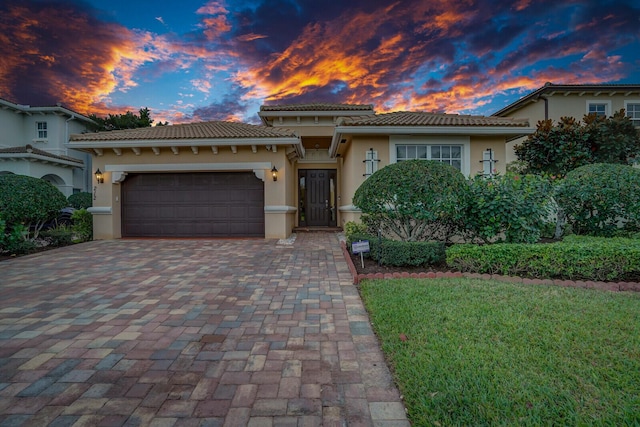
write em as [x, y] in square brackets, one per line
[203, 130]
[317, 107]
[406, 118]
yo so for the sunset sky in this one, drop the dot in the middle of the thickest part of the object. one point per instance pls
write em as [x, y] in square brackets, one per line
[220, 60]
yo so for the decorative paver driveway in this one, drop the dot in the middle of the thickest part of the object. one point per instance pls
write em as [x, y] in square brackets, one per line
[190, 332]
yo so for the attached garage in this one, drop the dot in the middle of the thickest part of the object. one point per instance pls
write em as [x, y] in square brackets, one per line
[213, 204]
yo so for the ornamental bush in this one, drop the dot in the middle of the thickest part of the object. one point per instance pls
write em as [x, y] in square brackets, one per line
[29, 201]
[80, 200]
[59, 236]
[577, 258]
[512, 207]
[399, 254]
[414, 200]
[82, 225]
[559, 148]
[601, 199]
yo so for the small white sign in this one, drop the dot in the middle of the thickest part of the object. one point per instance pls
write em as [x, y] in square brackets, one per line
[360, 247]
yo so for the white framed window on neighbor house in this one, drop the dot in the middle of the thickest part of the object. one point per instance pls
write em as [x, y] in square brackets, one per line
[632, 110]
[452, 150]
[599, 108]
[41, 130]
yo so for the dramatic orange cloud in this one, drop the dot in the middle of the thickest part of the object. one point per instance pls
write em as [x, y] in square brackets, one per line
[357, 51]
[232, 56]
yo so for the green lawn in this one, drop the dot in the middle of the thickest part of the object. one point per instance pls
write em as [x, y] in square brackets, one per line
[476, 352]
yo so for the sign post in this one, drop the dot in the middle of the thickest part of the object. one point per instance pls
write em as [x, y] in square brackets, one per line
[360, 247]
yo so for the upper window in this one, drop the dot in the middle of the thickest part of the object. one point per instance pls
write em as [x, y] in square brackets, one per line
[449, 154]
[41, 130]
[599, 108]
[632, 109]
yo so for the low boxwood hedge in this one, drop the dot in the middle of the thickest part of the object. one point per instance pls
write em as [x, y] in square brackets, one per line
[396, 253]
[575, 258]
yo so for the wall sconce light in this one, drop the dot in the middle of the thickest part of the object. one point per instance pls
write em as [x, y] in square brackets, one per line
[274, 173]
[99, 176]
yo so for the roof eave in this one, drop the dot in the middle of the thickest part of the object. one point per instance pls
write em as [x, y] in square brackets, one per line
[41, 158]
[511, 132]
[29, 109]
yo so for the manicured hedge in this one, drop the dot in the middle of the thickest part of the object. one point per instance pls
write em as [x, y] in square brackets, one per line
[80, 200]
[576, 258]
[396, 253]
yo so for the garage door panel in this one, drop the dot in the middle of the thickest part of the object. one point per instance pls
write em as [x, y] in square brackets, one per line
[193, 205]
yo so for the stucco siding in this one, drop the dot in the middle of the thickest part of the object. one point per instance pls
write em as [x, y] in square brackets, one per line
[279, 195]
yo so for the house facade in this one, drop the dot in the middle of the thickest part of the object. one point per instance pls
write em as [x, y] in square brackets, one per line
[553, 101]
[299, 169]
[33, 142]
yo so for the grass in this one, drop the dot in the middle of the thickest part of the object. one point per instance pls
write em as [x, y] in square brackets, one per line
[476, 352]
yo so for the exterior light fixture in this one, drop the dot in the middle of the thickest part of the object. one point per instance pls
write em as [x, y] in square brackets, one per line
[274, 173]
[99, 176]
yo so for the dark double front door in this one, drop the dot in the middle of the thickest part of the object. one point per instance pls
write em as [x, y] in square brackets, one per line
[317, 198]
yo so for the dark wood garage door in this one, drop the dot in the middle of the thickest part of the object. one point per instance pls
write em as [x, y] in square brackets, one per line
[220, 204]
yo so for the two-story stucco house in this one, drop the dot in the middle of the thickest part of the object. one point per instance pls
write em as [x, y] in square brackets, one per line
[33, 142]
[299, 168]
[553, 101]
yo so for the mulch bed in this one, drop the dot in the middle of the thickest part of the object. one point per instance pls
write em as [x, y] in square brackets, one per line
[372, 267]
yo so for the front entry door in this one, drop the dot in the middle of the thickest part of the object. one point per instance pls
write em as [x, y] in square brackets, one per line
[317, 198]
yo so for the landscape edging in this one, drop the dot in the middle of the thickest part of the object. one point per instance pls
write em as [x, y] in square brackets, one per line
[605, 286]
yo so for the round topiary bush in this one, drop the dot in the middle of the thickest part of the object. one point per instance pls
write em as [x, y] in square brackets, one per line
[414, 200]
[29, 201]
[80, 200]
[601, 199]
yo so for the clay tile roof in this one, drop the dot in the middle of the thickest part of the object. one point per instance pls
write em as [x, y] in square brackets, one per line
[203, 130]
[405, 118]
[317, 107]
[28, 149]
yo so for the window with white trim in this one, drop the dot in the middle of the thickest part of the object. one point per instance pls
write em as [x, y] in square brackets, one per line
[449, 154]
[41, 130]
[599, 108]
[632, 109]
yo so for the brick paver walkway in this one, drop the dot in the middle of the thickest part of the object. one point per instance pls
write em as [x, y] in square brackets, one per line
[190, 333]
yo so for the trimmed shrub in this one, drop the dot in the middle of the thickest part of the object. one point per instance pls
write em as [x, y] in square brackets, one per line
[585, 258]
[414, 200]
[600, 199]
[58, 236]
[82, 225]
[14, 241]
[511, 207]
[80, 200]
[29, 201]
[351, 228]
[398, 254]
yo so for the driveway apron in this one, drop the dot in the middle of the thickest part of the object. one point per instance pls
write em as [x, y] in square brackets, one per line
[190, 333]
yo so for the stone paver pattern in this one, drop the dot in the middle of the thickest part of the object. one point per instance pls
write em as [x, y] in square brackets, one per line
[190, 333]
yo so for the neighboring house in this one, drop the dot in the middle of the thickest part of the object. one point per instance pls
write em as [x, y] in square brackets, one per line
[554, 101]
[300, 168]
[33, 142]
